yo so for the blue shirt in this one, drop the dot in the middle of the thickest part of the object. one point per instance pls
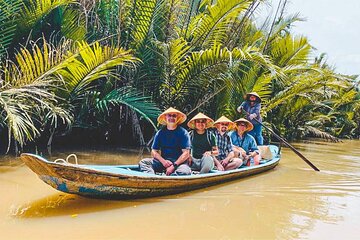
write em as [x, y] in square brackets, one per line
[247, 143]
[171, 142]
[252, 109]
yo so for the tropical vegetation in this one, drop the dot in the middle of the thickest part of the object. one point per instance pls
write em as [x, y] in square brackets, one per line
[106, 68]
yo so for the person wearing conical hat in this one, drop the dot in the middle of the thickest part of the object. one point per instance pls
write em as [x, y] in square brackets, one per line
[170, 150]
[226, 154]
[244, 144]
[203, 144]
[251, 107]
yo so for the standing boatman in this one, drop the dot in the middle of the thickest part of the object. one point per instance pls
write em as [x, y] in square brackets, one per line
[252, 106]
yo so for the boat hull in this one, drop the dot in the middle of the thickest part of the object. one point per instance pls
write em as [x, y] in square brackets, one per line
[104, 182]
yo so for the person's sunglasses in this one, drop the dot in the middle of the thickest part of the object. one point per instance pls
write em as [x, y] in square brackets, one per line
[172, 115]
[200, 121]
[241, 124]
[224, 124]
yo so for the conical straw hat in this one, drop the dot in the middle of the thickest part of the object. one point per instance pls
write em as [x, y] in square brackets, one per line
[224, 119]
[181, 117]
[254, 94]
[249, 125]
[209, 121]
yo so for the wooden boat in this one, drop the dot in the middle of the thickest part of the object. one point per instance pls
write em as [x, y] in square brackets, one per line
[126, 181]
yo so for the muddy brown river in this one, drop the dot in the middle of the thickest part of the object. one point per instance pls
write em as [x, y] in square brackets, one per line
[289, 202]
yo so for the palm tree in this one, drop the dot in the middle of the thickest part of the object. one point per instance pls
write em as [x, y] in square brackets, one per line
[80, 61]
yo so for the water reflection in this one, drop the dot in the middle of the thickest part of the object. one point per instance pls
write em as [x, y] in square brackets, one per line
[69, 205]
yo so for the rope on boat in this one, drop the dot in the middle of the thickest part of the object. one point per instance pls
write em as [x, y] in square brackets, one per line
[66, 161]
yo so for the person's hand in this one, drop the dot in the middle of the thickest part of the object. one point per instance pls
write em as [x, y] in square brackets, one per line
[252, 116]
[220, 167]
[224, 163]
[170, 170]
[207, 154]
[190, 160]
[239, 109]
[167, 163]
[243, 154]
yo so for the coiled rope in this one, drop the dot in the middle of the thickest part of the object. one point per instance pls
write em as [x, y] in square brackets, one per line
[66, 161]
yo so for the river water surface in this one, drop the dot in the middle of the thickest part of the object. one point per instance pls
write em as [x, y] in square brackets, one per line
[289, 202]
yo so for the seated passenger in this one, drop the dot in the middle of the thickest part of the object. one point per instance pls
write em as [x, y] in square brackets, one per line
[244, 144]
[203, 144]
[226, 154]
[171, 147]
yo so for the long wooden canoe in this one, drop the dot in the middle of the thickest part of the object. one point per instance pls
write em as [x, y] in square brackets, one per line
[126, 181]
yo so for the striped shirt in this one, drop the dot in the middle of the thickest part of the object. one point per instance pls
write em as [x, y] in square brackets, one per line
[224, 145]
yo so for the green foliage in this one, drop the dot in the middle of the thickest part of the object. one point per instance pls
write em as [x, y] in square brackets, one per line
[73, 25]
[8, 22]
[131, 98]
[74, 63]
[211, 26]
[35, 11]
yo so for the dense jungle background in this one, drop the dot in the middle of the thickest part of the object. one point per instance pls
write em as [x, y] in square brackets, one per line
[90, 73]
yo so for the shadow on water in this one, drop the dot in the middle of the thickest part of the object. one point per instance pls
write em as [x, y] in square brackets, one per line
[68, 204]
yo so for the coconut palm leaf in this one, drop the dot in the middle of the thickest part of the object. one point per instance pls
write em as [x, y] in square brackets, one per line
[18, 108]
[141, 21]
[316, 132]
[35, 10]
[9, 10]
[211, 26]
[90, 63]
[279, 29]
[191, 76]
[289, 51]
[299, 85]
[108, 12]
[73, 25]
[132, 98]
[26, 93]
[35, 65]
[59, 115]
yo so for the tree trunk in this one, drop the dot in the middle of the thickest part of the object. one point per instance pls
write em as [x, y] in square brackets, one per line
[137, 133]
[50, 141]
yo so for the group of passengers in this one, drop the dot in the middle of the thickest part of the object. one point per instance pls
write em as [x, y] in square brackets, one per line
[230, 145]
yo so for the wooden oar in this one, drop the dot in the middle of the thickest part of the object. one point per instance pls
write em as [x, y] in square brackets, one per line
[287, 144]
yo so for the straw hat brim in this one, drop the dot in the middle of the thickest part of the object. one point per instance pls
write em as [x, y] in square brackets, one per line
[253, 94]
[249, 125]
[181, 117]
[224, 119]
[209, 121]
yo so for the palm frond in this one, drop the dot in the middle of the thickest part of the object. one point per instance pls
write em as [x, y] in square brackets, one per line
[73, 25]
[90, 63]
[315, 132]
[35, 10]
[34, 65]
[142, 17]
[19, 105]
[59, 116]
[132, 98]
[9, 10]
[211, 26]
[290, 51]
